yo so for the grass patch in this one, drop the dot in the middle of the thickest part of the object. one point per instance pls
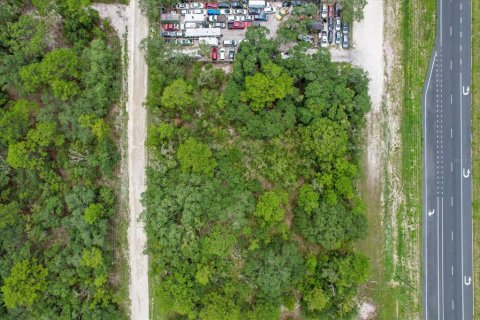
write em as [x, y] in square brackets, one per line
[396, 286]
[476, 152]
[417, 34]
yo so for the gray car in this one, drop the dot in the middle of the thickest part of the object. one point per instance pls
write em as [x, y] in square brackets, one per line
[345, 41]
[338, 37]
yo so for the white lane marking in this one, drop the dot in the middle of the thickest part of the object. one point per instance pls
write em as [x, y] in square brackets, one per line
[460, 48]
[451, 201]
[467, 281]
[452, 235]
[451, 31]
[451, 132]
[466, 174]
[451, 65]
[460, 61]
[452, 270]
[461, 20]
[451, 99]
[461, 191]
[453, 305]
[426, 182]
[460, 6]
[465, 91]
[451, 166]
[438, 260]
[461, 34]
[443, 295]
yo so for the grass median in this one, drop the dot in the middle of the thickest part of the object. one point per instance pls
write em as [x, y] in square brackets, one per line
[476, 151]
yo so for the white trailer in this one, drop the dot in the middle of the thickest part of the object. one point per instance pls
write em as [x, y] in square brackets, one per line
[211, 41]
[257, 4]
[203, 32]
[194, 18]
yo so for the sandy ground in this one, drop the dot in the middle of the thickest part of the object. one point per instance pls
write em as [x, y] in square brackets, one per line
[130, 18]
[115, 14]
[368, 52]
[137, 123]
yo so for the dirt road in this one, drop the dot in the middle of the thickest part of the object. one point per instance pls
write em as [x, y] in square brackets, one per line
[137, 117]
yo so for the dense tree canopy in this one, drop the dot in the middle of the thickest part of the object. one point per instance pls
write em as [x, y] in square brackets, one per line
[251, 201]
[59, 71]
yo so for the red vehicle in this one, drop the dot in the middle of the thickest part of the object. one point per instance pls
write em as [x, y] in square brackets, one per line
[214, 53]
[236, 25]
[170, 27]
[330, 11]
[211, 5]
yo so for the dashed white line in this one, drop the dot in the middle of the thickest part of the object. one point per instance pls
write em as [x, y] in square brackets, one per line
[451, 201]
[452, 270]
[451, 166]
[452, 235]
[451, 65]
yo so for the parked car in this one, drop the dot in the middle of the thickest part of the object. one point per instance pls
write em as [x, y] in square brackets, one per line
[338, 9]
[345, 28]
[281, 13]
[212, 18]
[236, 25]
[222, 54]
[211, 5]
[214, 53]
[249, 18]
[223, 5]
[240, 11]
[196, 5]
[231, 54]
[269, 10]
[239, 18]
[345, 41]
[225, 11]
[219, 25]
[256, 24]
[199, 11]
[169, 34]
[184, 42]
[324, 39]
[212, 12]
[254, 11]
[286, 4]
[330, 10]
[170, 27]
[324, 11]
[331, 23]
[306, 38]
[229, 43]
[297, 3]
[180, 6]
[338, 24]
[237, 5]
[330, 36]
[338, 37]
[230, 18]
[261, 17]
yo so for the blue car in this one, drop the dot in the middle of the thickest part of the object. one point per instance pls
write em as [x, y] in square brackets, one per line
[213, 12]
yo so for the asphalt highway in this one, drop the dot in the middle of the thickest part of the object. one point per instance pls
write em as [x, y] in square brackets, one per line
[447, 194]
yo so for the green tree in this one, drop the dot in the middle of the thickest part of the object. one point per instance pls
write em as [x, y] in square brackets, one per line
[262, 89]
[316, 299]
[178, 96]
[94, 212]
[196, 157]
[25, 284]
[270, 207]
[308, 198]
[59, 70]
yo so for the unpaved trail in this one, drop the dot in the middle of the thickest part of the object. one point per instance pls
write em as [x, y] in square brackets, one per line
[137, 123]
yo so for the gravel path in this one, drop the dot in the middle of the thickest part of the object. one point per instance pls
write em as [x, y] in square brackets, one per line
[137, 116]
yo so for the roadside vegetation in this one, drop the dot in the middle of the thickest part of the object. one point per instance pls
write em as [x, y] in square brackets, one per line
[59, 78]
[400, 294]
[476, 151]
[251, 201]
